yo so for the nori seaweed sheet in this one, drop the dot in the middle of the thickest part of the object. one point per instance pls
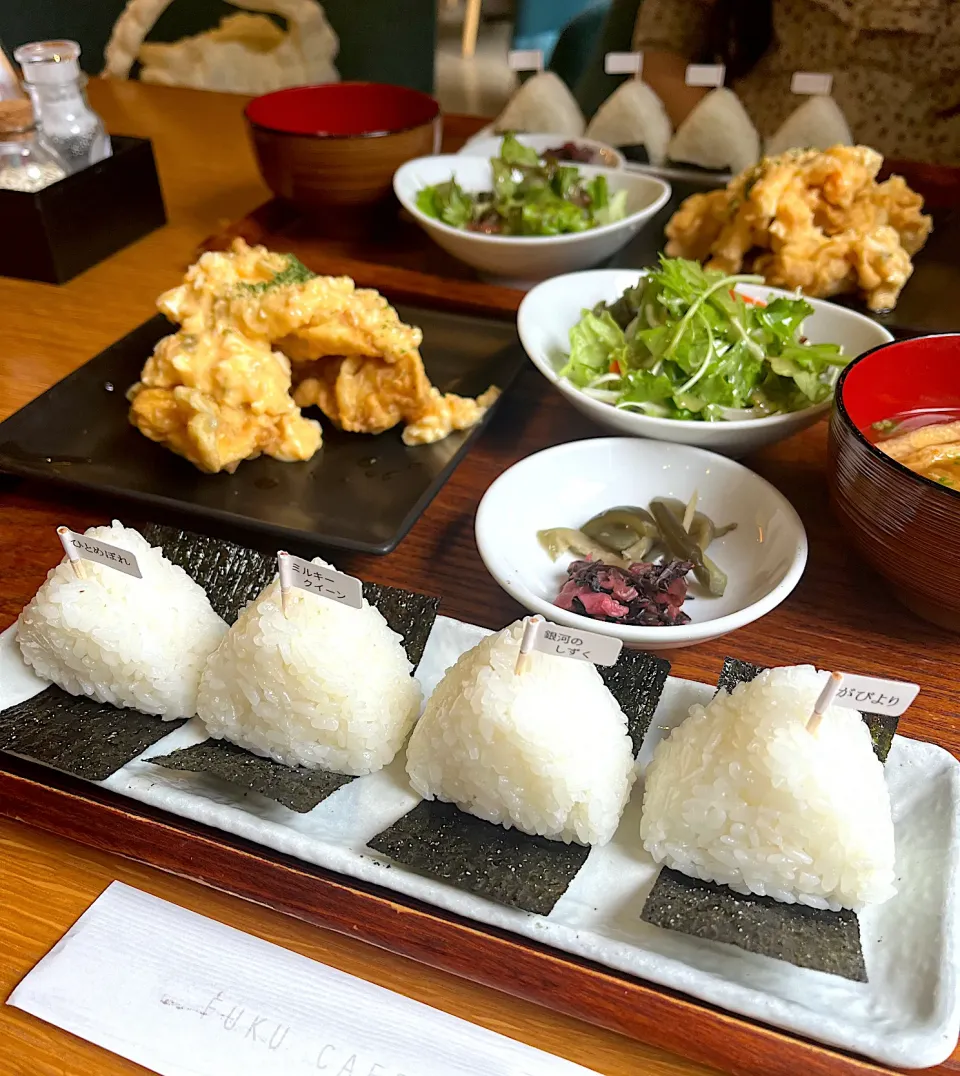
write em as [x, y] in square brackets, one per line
[298, 789]
[88, 739]
[882, 726]
[409, 614]
[808, 937]
[736, 672]
[636, 682]
[233, 575]
[505, 865]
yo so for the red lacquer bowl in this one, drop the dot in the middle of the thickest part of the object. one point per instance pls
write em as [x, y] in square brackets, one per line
[332, 149]
[905, 526]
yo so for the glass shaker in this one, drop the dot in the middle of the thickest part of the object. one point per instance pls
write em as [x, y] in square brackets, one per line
[26, 162]
[55, 83]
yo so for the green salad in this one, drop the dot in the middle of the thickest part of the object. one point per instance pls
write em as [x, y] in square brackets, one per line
[531, 195]
[684, 344]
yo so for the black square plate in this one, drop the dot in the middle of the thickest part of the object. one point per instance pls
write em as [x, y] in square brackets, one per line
[358, 492]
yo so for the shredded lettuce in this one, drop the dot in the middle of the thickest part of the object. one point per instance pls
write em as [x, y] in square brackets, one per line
[530, 196]
[683, 343]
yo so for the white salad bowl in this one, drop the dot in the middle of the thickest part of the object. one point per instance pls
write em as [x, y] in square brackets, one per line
[551, 309]
[565, 486]
[525, 259]
[488, 145]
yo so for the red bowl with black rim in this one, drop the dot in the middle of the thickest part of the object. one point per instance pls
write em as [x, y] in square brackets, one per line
[332, 150]
[894, 516]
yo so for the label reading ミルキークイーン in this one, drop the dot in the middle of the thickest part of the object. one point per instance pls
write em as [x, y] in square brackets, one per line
[316, 579]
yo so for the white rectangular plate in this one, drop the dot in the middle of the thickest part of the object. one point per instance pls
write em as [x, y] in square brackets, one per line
[908, 1015]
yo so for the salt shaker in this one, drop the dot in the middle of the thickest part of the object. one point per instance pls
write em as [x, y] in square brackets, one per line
[55, 83]
[27, 163]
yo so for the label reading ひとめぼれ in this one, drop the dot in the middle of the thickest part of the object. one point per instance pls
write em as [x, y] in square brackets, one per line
[83, 547]
[581, 645]
[316, 579]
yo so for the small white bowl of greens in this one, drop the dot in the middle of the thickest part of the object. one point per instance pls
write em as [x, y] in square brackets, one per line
[679, 353]
[521, 218]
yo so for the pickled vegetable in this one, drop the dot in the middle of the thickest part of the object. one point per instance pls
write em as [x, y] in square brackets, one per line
[669, 535]
[560, 540]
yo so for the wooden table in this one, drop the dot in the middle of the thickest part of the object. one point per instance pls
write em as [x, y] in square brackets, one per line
[840, 613]
[209, 178]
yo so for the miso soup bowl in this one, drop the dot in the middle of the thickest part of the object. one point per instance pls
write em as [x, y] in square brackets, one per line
[905, 526]
[332, 150]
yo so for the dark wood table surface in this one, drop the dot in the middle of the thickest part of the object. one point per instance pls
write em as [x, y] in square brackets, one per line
[839, 615]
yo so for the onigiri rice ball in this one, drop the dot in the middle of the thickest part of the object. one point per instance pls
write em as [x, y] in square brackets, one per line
[633, 116]
[741, 793]
[138, 643]
[542, 104]
[546, 752]
[717, 134]
[325, 686]
[817, 124]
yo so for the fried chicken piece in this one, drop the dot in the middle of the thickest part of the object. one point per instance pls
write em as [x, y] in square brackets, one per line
[815, 263]
[444, 414]
[902, 207]
[695, 226]
[882, 265]
[370, 396]
[203, 299]
[318, 386]
[274, 295]
[218, 399]
[809, 219]
[841, 172]
[218, 392]
[365, 395]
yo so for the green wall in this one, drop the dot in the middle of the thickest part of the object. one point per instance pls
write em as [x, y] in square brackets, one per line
[381, 40]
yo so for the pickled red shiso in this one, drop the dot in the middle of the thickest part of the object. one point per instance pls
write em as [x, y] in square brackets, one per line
[643, 594]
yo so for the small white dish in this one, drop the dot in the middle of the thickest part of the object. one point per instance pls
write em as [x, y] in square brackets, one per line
[488, 145]
[525, 259]
[551, 309]
[567, 485]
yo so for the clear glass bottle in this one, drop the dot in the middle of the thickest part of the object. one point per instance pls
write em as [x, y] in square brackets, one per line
[27, 163]
[55, 83]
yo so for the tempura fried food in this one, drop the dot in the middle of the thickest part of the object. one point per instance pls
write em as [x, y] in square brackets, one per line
[219, 390]
[807, 219]
[219, 398]
[372, 395]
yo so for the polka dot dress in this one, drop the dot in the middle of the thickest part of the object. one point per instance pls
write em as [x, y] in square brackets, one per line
[895, 66]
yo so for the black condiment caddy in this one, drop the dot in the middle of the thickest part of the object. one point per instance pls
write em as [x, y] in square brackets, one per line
[57, 232]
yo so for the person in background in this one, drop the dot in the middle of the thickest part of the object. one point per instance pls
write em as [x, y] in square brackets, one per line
[895, 63]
